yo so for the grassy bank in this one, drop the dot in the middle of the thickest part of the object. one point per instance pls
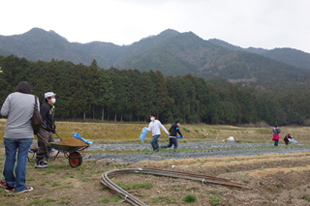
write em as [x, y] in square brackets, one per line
[109, 132]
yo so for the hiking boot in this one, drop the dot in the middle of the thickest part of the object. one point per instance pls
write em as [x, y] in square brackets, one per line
[28, 189]
[44, 162]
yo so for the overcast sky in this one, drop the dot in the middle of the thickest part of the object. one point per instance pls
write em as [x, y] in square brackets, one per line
[258, 23]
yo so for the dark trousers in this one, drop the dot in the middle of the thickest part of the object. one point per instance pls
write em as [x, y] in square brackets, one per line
[276, 142]
[172, 141]
[44, 138]
[286, 140]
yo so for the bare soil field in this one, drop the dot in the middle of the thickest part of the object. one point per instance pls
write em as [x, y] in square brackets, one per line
[275, 179]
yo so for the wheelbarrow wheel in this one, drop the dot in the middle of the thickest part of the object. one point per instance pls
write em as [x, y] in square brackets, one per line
[75, 159]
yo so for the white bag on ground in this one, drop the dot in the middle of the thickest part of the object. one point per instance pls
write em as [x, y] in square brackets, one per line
[231, 138]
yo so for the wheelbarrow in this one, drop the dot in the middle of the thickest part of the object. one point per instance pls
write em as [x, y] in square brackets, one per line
[71, 152]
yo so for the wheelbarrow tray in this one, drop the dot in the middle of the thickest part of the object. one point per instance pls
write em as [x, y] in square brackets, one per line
[67, 148]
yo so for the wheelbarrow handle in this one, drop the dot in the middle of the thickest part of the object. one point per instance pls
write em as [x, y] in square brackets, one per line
[58, 136]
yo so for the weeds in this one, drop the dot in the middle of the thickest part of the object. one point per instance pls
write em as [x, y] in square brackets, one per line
[168, 199]
[50, 171]
[215, 200]
[63, 202]
[186, 130]
[214, 192]
[55, 184]
[137, 186]
[272, 198]
[103, 188]
[306, 197]
[117, 198]
[40, 202]
[279, 185]
[190, 198]
[105, 200]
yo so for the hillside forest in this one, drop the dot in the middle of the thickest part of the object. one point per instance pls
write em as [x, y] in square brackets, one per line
[90, 92]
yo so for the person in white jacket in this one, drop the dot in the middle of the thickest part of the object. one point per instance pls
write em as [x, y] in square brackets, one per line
[155, 126]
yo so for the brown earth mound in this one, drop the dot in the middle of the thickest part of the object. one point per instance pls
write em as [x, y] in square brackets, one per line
[72, 142]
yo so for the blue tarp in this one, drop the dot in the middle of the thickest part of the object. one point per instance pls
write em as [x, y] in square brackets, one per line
[292, 140]
[77, 135]
[143, 134]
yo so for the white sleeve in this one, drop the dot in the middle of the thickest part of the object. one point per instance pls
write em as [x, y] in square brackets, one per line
[149, 128]
[163, 128]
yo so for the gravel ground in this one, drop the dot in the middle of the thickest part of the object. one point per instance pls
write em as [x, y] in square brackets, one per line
[189, 150]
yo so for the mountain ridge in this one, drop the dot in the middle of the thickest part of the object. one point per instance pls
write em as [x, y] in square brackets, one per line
[171, 52]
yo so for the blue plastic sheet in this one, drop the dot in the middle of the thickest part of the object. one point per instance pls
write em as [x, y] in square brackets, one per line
[77, 135]
[292, 140]
[143, 134]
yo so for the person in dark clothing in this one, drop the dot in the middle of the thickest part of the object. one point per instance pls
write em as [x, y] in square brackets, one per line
[174, 129]
[287, 137]
[45, 134]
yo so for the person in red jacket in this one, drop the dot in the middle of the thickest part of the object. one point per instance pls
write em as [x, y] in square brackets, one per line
[275, 135]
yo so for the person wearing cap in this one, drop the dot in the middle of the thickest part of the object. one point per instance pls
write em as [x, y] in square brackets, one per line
[174, 129]
[45, 134]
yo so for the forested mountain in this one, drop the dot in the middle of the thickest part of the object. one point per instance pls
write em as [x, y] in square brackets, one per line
[172, 53]
[131, 95]
[289, 56]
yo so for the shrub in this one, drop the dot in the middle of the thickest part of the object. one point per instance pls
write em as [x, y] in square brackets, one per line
[190, 198]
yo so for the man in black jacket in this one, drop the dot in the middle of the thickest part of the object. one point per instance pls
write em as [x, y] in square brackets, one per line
[45, 134]
[174, 129]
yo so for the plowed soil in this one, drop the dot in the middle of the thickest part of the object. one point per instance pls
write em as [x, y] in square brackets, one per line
[275, 179]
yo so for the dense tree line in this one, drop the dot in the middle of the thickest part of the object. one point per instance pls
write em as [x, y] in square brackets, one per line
[89, 92]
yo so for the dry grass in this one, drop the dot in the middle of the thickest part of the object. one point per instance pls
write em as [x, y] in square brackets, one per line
[192, 132]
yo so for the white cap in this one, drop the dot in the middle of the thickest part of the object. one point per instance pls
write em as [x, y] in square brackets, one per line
[49, 94]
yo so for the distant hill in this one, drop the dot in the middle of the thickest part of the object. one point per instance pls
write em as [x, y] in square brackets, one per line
[289, 56]
[171, 52]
